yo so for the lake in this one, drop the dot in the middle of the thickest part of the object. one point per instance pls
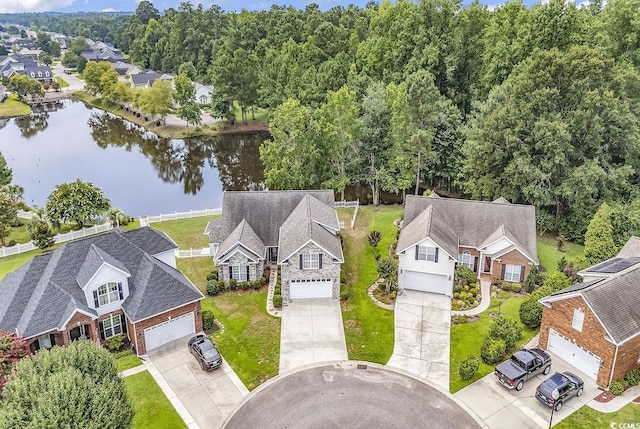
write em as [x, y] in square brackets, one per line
[140, 173]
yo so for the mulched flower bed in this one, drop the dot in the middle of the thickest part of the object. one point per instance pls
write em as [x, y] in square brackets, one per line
[637, 400]
[604, 397]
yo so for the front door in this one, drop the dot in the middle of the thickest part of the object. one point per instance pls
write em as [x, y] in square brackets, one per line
[273, 254]
[78, 332]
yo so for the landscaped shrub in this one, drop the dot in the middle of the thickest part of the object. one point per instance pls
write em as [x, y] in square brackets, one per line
[343, 276]
[256, 284]
[393, 294]
[382, 287]
[506, 286]
[222, 286]
[277, 290]
[531, 313]
[516, 287]
[633, 377]
[263, 281]
[532, 279]
[473, 291]
[277, 301]
[244, 285]
[207, 320]
[465, 273]
[507, 330]
[457, 288]
[212, 287]
[344, 291]
[618, 387]
[456, 295]
[492, 350]
[468, 367]
[233, 284]
[213, 275]
[503, 294]
[114, 343]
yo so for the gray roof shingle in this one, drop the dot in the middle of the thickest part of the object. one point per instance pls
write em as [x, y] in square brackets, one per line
[429, 223]
[630, 249]
[474, 222]
[42, 294]
[246, 236]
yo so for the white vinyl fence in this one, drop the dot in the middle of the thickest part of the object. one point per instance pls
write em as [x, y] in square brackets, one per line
[59, 238]
[146, 220]
[193, 253]
[348, 204]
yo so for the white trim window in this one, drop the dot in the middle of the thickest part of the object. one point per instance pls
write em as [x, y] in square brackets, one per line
[239, 273]
[108, 293]
[578, 319]
[310, 261]
[466, 259]
[111, 326]
[427, 253]
[512, 272]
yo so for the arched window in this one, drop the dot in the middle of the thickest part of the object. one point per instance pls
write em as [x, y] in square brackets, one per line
[466, 259]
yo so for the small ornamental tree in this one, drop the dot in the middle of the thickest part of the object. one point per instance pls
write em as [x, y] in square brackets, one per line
[507, 330]
[388, 269]
[42, 235]
[78, 202]
[531, 313]
[12, 349]
[66, 387]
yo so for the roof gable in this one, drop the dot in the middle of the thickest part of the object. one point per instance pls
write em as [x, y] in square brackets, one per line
[93, 262]
[430, 224]
[245, 236]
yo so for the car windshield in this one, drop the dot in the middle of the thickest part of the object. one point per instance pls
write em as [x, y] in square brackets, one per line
[518, 362]
[211, 354]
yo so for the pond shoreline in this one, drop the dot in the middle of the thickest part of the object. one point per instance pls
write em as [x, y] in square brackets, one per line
[172, 132]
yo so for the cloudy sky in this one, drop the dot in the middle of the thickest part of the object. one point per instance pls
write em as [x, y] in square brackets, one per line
[8, 6]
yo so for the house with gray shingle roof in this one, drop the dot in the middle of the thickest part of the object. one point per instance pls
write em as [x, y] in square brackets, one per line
[296, 230]
[595, 325]
[118, 283]
[496, 240]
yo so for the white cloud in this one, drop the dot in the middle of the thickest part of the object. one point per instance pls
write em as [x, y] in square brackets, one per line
[15, 6]
[109, 9]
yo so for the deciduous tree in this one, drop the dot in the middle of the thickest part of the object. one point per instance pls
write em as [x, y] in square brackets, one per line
[8, 214]
[12, 349]
[78, 202]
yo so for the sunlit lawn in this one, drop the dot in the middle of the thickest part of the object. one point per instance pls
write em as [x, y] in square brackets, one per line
[369, 329]
[588, 418]
[549, 254]
[187, 233]
[12, 107]
[13, 262]
[152, 408]
[467, 338]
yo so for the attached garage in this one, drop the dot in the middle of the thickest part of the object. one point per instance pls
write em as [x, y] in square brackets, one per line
[165, 332]
[572, 353]
[427, 282]
[299, 289]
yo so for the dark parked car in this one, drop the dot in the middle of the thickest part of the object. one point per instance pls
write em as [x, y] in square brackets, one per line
[523, 365]
[203, 349]
[566, 384]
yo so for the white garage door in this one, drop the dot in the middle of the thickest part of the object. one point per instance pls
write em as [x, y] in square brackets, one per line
[312, 289]
[164, 332]
[426, 282]
[572, 353]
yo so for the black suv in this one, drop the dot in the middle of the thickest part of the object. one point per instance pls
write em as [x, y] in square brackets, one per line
[203, 349]
[566, 384]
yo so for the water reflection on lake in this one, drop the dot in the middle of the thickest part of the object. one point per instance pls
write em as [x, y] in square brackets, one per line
[140, 172]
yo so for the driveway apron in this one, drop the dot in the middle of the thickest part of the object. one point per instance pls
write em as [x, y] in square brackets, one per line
[203, 399]
[422, 341]
[311, 332]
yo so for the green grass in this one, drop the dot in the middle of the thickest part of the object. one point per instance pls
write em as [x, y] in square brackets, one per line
[127, 361]
[13, 262]
[152, 408]
[19, 233]
[466, 339]
[250, 342]
[549, 254]
[588, 418]
[63, 83]
[369, 329]
[187, 233]
[196, 270]
[11, 107]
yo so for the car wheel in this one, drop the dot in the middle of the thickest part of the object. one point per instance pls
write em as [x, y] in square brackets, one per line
[520, 385]
[580, 391]
[547, 370]
[558, 406]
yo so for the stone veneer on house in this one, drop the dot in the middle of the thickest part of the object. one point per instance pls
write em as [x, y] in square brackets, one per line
[291, 271]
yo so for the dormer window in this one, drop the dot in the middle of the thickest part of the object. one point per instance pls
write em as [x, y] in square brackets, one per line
[46, 74]
[107, 293]
[39, 74]
[33, 74]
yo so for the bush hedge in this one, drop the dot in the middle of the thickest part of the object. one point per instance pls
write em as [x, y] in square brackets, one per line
[207, 320]
[492, 350]
[468, 367]
[277, 301]
[233, 284]
[212, 287]
[618, 387]
[531, 313]
[213, 275]
[633, 377]
[507, 330]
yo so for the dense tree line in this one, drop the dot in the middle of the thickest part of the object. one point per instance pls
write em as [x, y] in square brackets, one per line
[539, 104]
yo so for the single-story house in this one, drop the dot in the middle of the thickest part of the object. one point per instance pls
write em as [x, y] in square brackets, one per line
[121, 282]
[145, 80]
[295, 230]
[496, 240]
[595, 325]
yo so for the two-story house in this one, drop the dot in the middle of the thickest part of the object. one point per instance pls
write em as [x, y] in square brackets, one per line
[118, 283]
[296, 230]
[496, 240]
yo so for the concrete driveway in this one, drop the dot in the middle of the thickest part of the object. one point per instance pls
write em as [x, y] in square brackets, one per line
[501, 408]
[311, 332]
[422, 337]
[203, 399]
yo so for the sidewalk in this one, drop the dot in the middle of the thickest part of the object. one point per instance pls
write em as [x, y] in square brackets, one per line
[616, 403]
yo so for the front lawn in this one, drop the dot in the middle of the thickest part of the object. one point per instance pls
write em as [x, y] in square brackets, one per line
[187, 233]
[196, 270]
[126, 360]
[588, 418]
[11, 107]
[368, 328]
[250, 342]
[152, 408]
[467, 338]
[549, 254]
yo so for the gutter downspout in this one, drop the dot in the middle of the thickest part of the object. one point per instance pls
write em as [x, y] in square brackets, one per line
[613, 367]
